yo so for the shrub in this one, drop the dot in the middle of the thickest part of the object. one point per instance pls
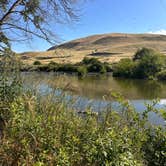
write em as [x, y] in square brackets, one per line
[88, 61]
[46, 68]
[97, 68]
[143, 53]
[148, 66]
[69, 68]
[124, 68]
[49, 132]
[154, 147]
[52, 63]
[36, 63]
[82, 71]
[161, 75]
[108, 67]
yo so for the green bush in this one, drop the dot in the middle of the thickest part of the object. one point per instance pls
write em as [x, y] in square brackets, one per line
[149, 66]
[69, 68]
[36, 63]
[108, 67]
[146, 64]
[125, 68]
[97, 68]
[143, 53]
[49, 132]
[161, 75]
[154, 147]
[47, 68]
[82, 71]
[52, 63]
[88, 61]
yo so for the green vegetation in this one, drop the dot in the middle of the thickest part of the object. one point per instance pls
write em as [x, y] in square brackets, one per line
[125, 68]
[68, 68]
[42, 132]
[161, 75]
[144, 52]
[82, 71]
[87, 65]
[37, 63]
[37, 130]
[146, 64]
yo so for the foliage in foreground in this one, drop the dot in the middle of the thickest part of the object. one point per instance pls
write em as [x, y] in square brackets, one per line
[42, 132]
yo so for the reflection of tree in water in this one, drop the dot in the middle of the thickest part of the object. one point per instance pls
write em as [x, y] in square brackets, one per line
[96, 87]
[147, 89]
[150, 89]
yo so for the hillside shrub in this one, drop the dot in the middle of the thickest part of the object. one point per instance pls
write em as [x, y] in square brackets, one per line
[36, 63]
[52, 63]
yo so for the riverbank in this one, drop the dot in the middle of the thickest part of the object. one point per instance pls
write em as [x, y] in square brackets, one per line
[146, 64]
[87, 66]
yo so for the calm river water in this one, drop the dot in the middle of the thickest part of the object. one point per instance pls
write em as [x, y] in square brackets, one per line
[96, 90]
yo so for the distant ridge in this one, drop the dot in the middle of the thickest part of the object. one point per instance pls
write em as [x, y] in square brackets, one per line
[109, 39]
[106, 47]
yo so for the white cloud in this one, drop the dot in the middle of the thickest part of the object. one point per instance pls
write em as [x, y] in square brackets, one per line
[159, 32]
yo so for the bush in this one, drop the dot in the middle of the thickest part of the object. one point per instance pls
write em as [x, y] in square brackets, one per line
[49, 132]
[161, 75]
[82, 71]
[36, 63]
[52, 63]
[125, 68]
[88, 61]
[148, 66]
[154, 147]
[143, 53]
[108, 67]
[69, 68]
[97, 68]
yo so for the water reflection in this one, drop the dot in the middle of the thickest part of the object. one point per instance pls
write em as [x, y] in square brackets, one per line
[89, 91]
[95, 87]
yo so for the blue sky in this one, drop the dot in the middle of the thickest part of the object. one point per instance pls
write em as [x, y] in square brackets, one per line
[108, 16]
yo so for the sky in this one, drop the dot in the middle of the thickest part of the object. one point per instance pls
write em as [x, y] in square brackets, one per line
[108, 16]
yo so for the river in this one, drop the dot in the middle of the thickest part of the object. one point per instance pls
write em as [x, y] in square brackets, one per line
[95, 91]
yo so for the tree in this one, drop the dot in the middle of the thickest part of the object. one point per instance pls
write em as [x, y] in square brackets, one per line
[149, 66]
[24, 19]
[145, 52]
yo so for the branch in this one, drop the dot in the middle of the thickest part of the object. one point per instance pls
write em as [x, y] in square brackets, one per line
[5, 17]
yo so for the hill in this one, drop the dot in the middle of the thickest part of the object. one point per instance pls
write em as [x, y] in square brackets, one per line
[105, 47]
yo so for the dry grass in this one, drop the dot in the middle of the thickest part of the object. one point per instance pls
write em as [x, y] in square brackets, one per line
[118, 45]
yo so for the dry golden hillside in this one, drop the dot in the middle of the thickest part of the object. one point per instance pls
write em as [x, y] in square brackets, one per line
[105, 47]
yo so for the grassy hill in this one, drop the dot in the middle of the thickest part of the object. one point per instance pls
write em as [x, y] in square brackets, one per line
[105, 47]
